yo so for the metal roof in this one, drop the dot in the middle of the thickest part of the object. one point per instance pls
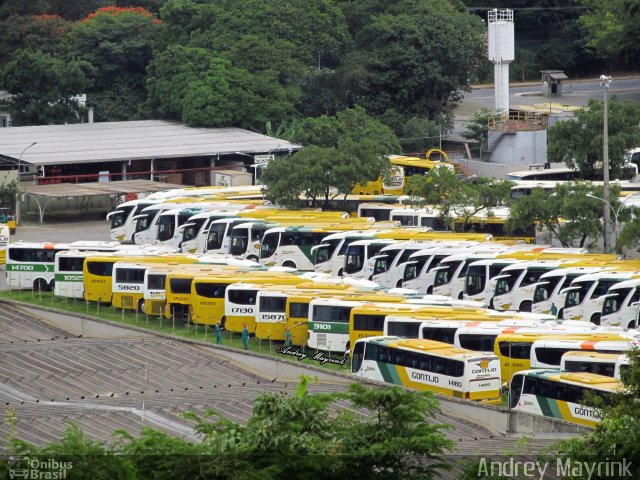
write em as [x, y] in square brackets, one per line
[61, 190]
[137, 140]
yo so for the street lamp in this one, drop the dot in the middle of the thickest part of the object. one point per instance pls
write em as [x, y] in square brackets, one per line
[609, 208]
[605, 83]
[18, 219]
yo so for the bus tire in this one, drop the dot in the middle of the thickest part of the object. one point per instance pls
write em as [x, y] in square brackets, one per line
[52, 286]
[223, 322]
[595, 319]
[561, 314]
[340, 272]
[525, 306]
[40, 284]
[289, 264]
[632, 324]
[399, 284]
[141, 305]
[460, 296]
[491, 304]
[430, 291]
[253, 258]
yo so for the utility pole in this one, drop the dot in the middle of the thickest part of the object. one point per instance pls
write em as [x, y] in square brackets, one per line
[605, 82]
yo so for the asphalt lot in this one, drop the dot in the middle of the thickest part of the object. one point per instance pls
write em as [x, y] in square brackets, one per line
[60, 232]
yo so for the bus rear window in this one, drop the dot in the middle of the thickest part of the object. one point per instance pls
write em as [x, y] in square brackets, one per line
[210, 290]
[101, 269]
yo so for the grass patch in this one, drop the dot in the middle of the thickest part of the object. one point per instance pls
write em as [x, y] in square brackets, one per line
[178, 328]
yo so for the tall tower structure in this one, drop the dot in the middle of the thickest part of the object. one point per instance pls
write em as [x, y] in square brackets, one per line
[501, 54]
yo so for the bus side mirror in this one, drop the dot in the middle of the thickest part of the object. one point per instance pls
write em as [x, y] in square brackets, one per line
[257, 245]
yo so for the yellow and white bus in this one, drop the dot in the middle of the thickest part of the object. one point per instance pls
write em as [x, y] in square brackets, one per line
[561, 395]
[514, 350]
[547, 353]
[396, 182]
[208, 297]
[428, 365]
[608, 364]
[5, 238]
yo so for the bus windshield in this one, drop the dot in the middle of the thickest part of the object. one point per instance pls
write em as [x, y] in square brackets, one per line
[575, 297]
[614, 303]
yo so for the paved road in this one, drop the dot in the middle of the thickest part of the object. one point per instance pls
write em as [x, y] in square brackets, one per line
[576, 93]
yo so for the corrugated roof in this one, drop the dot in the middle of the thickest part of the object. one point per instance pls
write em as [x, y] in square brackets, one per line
[137, 140]
[62, 190]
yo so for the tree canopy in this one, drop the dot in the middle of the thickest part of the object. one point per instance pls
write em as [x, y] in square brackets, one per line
[578, 142]
[342, 151]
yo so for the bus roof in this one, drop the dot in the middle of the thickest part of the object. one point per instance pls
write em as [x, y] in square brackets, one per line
[591, 380]
[423, 345]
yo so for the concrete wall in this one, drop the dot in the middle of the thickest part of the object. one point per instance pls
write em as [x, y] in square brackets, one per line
[527, 147]
[494, 170]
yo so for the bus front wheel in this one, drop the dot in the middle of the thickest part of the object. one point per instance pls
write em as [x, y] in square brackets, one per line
[141, 305]
[253, 258]
[40, 284]
[595, 319]
[289, 264]
[525, 306]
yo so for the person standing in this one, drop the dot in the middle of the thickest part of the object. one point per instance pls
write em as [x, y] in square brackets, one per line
[554, 309]
[245, 337]
[218, 334]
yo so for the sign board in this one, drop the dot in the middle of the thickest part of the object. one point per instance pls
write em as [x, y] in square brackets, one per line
[103, 176]
[223, 180]
[264, 158]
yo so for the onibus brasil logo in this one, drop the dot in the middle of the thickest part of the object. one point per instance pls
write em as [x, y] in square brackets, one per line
[34, 468]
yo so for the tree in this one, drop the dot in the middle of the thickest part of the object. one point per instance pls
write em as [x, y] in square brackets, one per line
[43, 87]
[610, 29]
[478, 127]
[191, 85]
[457, 199]
[567, 213]
[343, 151]
[45, 33]
[579, 142]
[414, 56]
[119, 43]
[629, 236]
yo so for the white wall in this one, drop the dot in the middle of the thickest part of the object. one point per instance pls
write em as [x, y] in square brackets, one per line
[529, 147]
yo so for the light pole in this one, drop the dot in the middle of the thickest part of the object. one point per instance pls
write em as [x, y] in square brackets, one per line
[18, 219]
[609, 208]
[605, 83]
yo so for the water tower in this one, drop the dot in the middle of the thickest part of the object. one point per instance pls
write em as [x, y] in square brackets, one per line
[501, 54]
[515, 138]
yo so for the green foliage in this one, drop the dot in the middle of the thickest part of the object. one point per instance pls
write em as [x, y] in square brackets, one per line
[611, 29]
[42, 87]
[629, 236]
[387, 434]
[119, 43]
[8, 192]
[478, 127]
[45, 33]
[579, 142]
[567, 213]
[344, 150]
[414, 56]
[456, 198]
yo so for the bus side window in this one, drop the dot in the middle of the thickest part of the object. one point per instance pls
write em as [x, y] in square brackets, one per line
[384, 354]
[372, 352]
[426, 363]
[412, 360]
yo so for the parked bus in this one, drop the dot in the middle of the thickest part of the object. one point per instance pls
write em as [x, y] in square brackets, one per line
[554, 174]
[170, 221]
[516, 285]
[121, 219]
[621, 305]
[97, 271]
[328, 257]
[608, 364]
[561, 395]
[547, 353]
[5, 238]
[418, 217]
[195, 231]
[514, 349]
[291, 246]
[208, 297]
[450, 275]
[478, 284]
[585, 296]
[396, 182]
[428, 365]
[551, 288]
[419, 269]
